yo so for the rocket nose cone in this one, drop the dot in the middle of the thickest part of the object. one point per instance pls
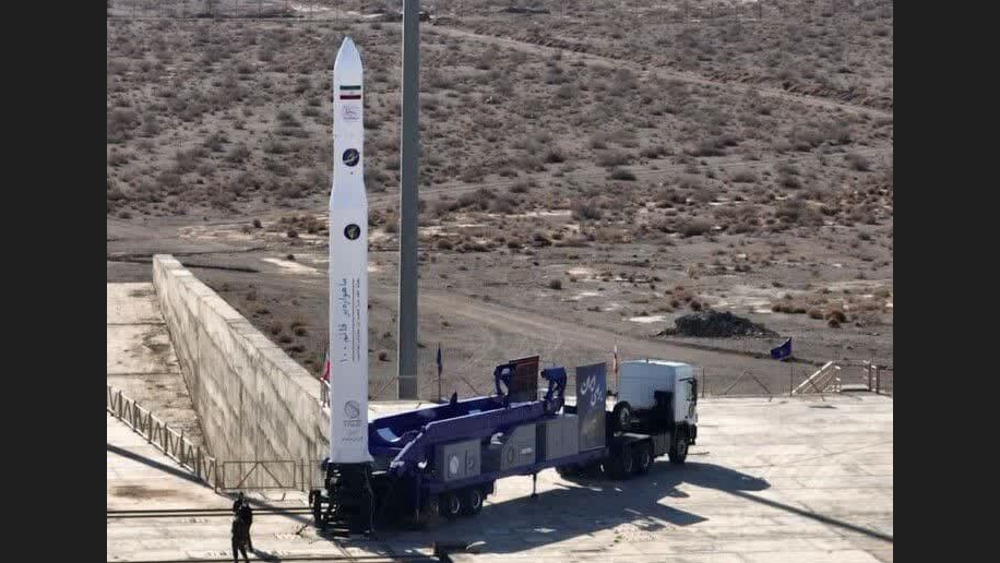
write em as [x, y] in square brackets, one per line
[348, 60]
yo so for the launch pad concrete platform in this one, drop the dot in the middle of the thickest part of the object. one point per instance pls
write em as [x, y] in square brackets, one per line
[803, 479]
[770, 480]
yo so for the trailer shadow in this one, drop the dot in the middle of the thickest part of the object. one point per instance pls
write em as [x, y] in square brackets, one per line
[567, 509]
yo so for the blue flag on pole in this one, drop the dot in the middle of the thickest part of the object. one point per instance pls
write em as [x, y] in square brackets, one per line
[783, 351]
[439, 360]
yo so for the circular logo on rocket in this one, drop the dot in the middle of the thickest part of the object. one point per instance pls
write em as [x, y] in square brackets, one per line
[352, 157]
[352, 410]
[352, 231]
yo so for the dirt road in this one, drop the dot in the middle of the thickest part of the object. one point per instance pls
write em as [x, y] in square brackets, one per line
[574, 344]
[687, 77]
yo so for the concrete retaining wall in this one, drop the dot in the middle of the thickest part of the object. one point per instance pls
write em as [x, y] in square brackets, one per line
[255, 402]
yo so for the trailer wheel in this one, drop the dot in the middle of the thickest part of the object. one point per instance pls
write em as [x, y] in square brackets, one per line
[451, 506]
[622, 415]
[679, 447]
[597, 470]
[430, 509]
[643, 459]
[622, 465]
[472, 503]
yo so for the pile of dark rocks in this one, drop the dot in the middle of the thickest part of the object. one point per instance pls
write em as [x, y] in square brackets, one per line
[716, 324]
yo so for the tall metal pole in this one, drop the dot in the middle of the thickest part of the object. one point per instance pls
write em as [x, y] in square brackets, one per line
[409, 153]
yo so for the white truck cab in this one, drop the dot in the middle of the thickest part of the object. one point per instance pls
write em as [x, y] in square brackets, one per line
[641, 379]
[658, 397]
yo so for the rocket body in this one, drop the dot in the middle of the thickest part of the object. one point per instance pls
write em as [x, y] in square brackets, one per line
[348, 274]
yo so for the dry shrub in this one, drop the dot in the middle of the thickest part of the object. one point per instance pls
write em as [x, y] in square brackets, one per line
[797, 212]
[540, 239]
[694, 227]
[612, 158]
[836, 315]
[858, 162]
[622, 174]
[586, 210]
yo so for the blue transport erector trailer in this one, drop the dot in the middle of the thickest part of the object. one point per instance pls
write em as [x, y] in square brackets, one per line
[447, 458]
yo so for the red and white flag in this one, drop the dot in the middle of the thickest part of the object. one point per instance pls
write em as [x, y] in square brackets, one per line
[326, 367]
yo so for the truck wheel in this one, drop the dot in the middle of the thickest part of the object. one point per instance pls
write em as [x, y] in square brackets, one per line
[628, 464]
[622, 416]
[643, 459]
[679, 448]
[472, 501]
[451, 506]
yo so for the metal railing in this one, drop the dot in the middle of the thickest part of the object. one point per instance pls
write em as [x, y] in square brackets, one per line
[261, 475]
[822, 380]
[881, 380]
[166, 439]
[136, 9]
[832, 377]
[229, 475]
[270, 475]
[747, 375]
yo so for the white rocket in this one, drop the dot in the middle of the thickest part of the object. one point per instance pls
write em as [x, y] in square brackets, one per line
[348, 266]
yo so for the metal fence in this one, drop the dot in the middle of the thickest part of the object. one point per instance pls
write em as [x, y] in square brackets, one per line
[801, 379]
[229, 475]
[270, 475]
[832, 377]
[646, 11]
[166, 439]
[136, 9]
[882, 380]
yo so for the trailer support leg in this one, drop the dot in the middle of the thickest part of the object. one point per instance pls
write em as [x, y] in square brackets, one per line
[534, 485]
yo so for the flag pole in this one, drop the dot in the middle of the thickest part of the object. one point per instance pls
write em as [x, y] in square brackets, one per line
[617, 370]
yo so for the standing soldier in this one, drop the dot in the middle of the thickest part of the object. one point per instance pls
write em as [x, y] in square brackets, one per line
[240, 499]
[246, 514]
[241, 537]
[243, 511]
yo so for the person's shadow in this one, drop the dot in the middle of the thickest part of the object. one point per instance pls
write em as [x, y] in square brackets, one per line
[265, 556]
